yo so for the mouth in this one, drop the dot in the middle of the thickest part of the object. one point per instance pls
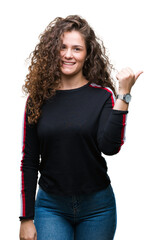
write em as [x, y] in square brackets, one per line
[68, 63]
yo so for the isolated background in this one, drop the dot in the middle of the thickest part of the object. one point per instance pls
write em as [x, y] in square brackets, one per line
[131, 31]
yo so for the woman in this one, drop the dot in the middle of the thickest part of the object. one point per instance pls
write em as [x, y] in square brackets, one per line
[71, 117]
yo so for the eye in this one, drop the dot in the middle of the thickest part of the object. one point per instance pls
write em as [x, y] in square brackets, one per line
[63, 47]
[77, 49]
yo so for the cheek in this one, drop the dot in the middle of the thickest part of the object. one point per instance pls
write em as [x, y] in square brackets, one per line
[80, 58]
[61, 54]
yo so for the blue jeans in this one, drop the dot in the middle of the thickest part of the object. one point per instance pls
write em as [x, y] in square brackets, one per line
[76, 217]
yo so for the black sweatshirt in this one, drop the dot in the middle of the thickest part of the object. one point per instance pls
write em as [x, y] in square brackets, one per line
[66, 145]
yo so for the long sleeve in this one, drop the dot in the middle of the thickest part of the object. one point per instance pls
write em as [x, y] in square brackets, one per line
[111, 130]
[75, 127]
[29, 168]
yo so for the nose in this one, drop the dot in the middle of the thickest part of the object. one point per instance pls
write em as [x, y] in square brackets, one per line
[68, 53]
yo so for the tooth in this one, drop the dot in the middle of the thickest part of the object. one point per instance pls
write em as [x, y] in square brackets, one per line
[69, 63]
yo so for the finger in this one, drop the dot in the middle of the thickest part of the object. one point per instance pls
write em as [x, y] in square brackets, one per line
[127, 74]
[138, 74]
[120, 75]
[127, 69]
[35, 237]
[130, 70]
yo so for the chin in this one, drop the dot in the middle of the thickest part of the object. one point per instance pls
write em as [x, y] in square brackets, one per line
[68, 72]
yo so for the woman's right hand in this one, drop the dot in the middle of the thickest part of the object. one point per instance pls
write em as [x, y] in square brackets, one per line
[27, 230]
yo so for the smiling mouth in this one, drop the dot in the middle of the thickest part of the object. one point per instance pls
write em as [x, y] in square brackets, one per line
[68, 63]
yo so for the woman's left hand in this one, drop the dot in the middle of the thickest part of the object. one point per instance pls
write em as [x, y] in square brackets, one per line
[126, 79]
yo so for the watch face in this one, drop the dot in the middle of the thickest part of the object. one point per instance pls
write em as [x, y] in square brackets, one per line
[127, 98]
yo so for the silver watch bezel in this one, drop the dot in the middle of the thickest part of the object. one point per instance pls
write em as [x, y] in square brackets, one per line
[124, 97]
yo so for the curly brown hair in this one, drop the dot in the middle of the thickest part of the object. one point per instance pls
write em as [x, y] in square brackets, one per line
[44, 75]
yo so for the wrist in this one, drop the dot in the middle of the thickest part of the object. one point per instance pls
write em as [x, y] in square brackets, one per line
[26, 220]
[121, 105]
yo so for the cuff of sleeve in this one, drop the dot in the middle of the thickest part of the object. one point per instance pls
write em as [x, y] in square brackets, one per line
[119, 112]
[26, 218]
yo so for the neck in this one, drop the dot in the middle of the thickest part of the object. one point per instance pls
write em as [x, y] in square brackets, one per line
[68, 82]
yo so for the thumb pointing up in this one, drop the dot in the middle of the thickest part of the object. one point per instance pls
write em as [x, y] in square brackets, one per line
[138, 74]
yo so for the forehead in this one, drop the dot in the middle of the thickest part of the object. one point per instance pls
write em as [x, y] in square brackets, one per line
[72, 38]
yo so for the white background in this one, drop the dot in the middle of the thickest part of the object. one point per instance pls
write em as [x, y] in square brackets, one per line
[131, 31]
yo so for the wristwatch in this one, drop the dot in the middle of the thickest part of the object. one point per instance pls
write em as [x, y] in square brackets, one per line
[125, 97]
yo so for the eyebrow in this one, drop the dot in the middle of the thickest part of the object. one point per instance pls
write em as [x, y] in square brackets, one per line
[74, 45]
[77, 46]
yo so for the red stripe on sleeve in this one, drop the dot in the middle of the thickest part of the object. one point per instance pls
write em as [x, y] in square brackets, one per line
[23, 196]
[123, 129]
[21, 168]
[112, 98]
[107, 89]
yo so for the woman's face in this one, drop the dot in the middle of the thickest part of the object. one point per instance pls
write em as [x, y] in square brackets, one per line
[73, 53]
